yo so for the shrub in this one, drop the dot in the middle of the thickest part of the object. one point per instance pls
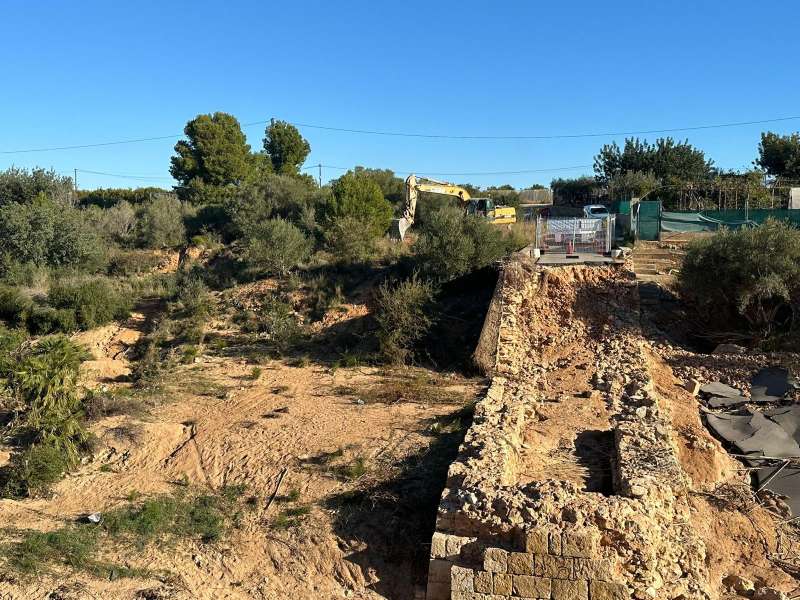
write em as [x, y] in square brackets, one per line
[746, 280]
[404, 316]
[48, 233]
[14, 305]
[33, 471]
[42, 320]
[347, 239]
[134, 262]
[161, 223]
[276, 246]
[95, 302]
[21, 185]
[116, 224]
[450, 244]
[44, 381]
[193, 296]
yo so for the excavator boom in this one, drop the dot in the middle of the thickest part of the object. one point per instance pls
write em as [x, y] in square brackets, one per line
[413, 186]
[481, 206]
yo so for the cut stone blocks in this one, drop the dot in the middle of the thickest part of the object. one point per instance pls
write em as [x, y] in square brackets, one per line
[520, 563]
[462, 579]
[495, 560]
[567, 589]
[529, 586]
[483, 582]
[502, 584]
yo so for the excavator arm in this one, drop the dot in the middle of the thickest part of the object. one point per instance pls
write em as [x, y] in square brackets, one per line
[415, 185]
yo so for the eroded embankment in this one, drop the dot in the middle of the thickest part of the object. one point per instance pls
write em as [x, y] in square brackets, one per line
[568, 484]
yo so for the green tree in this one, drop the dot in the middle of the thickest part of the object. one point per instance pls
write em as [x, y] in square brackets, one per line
[285, 147]
[631, 184]
[215, 153]
[356, 195]
[450, 245]
[391, 185]
[22, 185]
[779, 155]
[667, 160]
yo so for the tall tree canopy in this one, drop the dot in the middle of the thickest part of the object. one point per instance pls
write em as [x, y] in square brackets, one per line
[667, 160]
[285, 147]
[779, 155]
[215, 152]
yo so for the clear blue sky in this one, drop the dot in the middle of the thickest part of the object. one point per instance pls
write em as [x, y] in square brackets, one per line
[92, 71]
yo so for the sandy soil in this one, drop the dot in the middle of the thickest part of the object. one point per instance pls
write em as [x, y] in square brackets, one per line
[216, 426]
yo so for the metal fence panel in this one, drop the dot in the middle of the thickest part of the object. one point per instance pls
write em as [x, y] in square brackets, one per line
[575, 235]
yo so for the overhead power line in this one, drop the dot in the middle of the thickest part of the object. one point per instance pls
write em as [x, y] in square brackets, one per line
[421, 135]
[462, 174]
[545, 137]
[125, 176]
[114, 143]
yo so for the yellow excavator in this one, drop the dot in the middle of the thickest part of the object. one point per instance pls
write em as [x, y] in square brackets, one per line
[483, 207]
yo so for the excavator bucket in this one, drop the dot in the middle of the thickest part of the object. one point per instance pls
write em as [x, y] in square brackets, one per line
[398, 229]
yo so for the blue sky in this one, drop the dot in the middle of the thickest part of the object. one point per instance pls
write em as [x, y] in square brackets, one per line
[92, 71]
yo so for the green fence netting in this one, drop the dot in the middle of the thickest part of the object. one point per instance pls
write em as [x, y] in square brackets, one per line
[712, 220]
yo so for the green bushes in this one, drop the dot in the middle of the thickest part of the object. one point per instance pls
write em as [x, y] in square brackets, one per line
[276, 246]
[450, 245]
[403, 315]
[42, 320]
[14, 305]
[95, 302]
[47, 233]
[746, 281]
[34, 470]
[41, 380]
[161, 223]
[345, 237]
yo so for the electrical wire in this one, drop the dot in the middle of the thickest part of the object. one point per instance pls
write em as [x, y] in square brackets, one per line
[462, 174]
[545, 137]
[423, 135]
[121, 176]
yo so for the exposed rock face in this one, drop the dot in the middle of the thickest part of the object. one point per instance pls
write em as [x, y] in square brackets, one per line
[501, 535]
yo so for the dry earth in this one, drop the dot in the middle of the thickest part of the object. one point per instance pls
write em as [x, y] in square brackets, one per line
[214, 425]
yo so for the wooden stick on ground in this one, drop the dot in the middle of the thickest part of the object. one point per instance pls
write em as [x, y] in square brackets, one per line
[277, 489]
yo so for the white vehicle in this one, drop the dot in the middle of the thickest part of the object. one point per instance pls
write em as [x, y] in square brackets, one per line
[595, 211]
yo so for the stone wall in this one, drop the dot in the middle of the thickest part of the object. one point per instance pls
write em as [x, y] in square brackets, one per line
[496, 538]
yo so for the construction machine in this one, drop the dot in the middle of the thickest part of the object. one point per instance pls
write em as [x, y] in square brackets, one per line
[482, 207]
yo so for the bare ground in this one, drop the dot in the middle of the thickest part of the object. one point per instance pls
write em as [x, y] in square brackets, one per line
[299, 423]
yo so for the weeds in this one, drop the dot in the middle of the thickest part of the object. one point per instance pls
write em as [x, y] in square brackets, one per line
[204, 517]
[418, 388]
[403, 312]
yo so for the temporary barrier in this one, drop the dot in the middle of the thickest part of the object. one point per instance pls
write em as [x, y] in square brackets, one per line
[575, 235]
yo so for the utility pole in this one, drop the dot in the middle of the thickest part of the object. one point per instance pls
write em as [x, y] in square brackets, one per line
[75, 180]
[320, 174]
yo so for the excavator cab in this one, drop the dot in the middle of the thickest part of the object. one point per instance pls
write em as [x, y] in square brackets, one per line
[481, 207]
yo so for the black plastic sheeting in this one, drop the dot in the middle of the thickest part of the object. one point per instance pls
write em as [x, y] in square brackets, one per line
[760, 436]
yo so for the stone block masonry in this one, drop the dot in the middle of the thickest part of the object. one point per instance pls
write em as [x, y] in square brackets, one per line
[499, 538]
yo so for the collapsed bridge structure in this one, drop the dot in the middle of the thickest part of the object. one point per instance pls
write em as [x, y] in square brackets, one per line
[568, 484]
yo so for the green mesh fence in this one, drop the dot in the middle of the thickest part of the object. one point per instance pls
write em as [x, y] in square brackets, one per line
[712, 220]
